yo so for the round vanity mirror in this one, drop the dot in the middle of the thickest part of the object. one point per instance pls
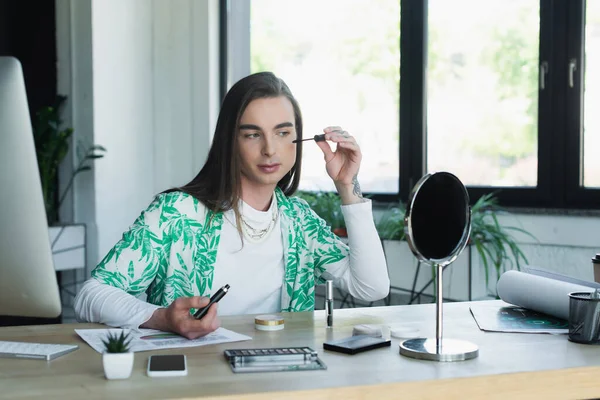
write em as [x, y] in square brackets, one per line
[437, 227]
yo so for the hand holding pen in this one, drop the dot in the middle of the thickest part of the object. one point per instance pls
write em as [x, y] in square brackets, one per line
[214, 299]
[178, 319]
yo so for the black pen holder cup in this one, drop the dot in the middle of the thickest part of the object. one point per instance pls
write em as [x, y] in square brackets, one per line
[584, 318]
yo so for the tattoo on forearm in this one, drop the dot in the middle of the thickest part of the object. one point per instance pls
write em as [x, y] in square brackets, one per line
[356, 189]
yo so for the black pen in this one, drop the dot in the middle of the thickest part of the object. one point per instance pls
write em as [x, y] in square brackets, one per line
[316, 138]
[214, 299]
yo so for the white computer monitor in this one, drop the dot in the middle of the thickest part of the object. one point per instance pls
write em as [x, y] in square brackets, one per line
[28, 285]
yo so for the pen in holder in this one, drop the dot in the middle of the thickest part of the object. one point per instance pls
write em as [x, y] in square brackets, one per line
[329, 303]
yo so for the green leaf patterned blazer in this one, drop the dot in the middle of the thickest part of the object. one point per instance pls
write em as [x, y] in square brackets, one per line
[171, 250]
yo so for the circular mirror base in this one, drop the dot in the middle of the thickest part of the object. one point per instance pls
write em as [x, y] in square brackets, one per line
[450, 350]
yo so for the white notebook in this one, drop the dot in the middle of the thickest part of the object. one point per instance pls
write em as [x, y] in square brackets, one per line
[38, 351]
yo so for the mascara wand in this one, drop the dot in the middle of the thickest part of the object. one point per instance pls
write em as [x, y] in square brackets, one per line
[316, 138]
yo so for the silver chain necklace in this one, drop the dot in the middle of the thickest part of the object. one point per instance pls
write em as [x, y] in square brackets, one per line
[257, 235]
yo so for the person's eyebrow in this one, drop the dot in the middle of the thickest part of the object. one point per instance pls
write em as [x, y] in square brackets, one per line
[284, 125]
[257, 128]
[250, 127]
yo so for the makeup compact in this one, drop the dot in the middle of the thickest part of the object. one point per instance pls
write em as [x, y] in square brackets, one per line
[368, 330]
[403, 332]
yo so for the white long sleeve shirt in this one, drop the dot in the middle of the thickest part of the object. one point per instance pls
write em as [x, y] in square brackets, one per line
[254, 271]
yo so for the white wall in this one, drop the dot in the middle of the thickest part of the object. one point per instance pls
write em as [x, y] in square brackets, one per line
[142, 76]
[565, 244]
[123, 113]
[75, 79]
[238, 41]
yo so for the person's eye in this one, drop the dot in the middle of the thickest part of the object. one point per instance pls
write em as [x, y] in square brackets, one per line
[252, 135]
[283, 133]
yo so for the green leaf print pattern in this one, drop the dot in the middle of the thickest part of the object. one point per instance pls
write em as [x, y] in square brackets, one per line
[115, 278]
[171, 250]
[139, 247]
[311, 245]
[205, 253]
[130, 270]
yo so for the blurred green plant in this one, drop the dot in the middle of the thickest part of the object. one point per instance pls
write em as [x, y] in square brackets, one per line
[52, 142]
[494, 242]
[390, 224]
[327, 205]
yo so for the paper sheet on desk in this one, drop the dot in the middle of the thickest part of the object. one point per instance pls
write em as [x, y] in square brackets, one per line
[508, 318]
[150, 339]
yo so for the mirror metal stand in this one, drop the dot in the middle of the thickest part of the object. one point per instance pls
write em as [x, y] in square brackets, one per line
[437, 227]
[439, 349]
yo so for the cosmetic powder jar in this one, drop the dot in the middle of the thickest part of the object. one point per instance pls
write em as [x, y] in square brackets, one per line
[269, 322]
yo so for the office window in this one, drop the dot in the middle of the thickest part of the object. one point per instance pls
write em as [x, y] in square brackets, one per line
[341, 59]
[482, 90]
[503, 93]
[591, 135]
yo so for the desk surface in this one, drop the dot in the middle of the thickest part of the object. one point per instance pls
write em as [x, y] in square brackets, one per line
[508, 364]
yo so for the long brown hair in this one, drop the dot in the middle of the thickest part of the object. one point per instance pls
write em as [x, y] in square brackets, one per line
[218, 184]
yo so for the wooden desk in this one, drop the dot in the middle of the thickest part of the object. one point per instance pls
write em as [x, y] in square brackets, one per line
[515, 365]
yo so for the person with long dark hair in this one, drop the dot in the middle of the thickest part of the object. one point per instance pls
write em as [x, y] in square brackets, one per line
[238, 223]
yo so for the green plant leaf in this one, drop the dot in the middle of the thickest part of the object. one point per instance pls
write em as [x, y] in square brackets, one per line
[390, 225]
[115, 343]
[495, 242]
[52, 143]
[326, 205]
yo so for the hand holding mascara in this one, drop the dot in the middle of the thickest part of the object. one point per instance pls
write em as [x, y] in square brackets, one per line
[316, 138]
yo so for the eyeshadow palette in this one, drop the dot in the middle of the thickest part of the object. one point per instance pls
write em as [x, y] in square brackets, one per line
[274, 359]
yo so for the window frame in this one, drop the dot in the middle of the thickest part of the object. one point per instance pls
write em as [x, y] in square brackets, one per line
[560, 108]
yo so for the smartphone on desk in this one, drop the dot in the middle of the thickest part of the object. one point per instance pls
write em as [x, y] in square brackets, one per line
[167, 365]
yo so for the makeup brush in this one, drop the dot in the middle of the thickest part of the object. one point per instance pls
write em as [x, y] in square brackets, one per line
[316, 138]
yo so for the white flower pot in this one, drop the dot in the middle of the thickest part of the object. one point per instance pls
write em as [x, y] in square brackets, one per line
[117, 365]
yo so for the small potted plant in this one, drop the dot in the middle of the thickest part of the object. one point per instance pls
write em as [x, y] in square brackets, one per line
[117, 360]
